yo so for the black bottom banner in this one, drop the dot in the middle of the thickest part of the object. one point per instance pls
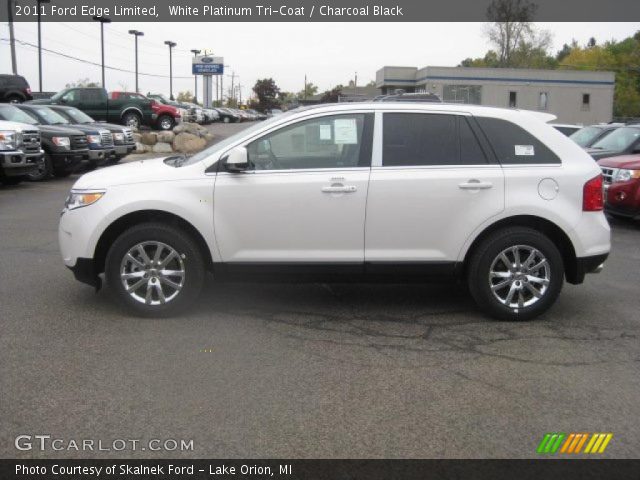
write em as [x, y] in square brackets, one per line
[320, 469]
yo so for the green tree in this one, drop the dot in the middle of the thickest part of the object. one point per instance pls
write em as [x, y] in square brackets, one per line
[511, 23]
[185, 96]
[82, 83]
[310, 92]
[267, 93]
[332, 96]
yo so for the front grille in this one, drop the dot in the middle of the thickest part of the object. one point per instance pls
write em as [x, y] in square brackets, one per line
[31, 141]
[78, 142]
[128, 135]
[107, 139]
[608, 174]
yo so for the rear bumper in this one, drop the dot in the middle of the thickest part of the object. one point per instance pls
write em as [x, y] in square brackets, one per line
[584, 265]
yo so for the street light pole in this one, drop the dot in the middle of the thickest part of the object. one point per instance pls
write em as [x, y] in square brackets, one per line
[170, 44]
[137, 34]
[195, 77]
[40, 2]
[102, 20]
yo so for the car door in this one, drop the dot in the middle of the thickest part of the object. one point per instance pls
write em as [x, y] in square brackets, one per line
[432, 184]
[303, 198]
[94, 103]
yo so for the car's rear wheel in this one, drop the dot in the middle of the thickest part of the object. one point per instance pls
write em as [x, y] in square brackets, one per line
[132, 120]
[154, 270]
[44, 170]
[515, 274]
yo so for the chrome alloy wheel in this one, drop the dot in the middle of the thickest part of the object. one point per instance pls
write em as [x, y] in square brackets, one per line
[519, 276]
[152, 273]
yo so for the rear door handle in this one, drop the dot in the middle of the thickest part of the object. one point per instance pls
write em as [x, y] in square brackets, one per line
[340, 189]
[475, 185]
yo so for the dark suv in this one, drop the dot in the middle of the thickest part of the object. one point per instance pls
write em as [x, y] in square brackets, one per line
[14, 89]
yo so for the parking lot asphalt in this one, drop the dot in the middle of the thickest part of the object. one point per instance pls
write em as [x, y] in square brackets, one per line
[307, 371]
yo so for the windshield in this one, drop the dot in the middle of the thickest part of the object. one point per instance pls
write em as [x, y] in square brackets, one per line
[77, 116]
[233, 138]
[585, 136]
[50, 117]
[14, 114]
[618, 140]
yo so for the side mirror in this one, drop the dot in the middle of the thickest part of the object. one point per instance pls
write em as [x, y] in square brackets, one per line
[237, 160]
[63, 100]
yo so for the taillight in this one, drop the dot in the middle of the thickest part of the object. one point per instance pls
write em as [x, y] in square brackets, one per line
[593, 195]
[28, 90]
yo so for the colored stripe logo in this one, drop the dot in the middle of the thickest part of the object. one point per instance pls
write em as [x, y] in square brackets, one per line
[574, 443]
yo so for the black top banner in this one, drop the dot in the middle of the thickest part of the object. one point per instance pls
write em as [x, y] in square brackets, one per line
[310, 10]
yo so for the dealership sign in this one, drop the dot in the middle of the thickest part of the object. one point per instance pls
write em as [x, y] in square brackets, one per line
[206, 65]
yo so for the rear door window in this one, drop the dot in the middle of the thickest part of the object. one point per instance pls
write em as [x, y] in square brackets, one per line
[417, 139]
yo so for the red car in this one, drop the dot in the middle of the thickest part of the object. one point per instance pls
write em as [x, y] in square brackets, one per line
[165, 116]
[622, 185]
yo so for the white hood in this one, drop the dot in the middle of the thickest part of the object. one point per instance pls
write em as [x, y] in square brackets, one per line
[140, 171]
[19, 127]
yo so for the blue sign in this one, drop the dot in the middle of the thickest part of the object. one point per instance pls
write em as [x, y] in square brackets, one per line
[207, 68]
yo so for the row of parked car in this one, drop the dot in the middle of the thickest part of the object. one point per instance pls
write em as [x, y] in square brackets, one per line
[40, 141]
[616, 148]
[132, 109]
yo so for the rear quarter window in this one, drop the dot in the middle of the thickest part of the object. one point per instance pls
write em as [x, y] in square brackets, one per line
[513, 145]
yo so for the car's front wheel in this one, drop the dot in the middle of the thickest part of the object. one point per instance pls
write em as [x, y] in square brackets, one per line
[515, 274]
[154, 270]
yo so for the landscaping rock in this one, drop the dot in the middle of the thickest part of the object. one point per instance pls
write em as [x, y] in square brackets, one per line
[166, 137]
[149, 138]
[137, 137]
[162, 148]
[188, 143]
[140, 148]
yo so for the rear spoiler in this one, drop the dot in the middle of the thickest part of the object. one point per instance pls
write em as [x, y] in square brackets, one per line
[545, 117]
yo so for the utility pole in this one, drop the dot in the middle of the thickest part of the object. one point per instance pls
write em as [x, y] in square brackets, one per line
[305, 86]
[12, 39]
[137, 34]
[39, 6]
[102, 20]
[195, 87]
[170, 44]
[239, 93]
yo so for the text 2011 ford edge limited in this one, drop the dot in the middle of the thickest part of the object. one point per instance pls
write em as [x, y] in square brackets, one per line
[402, 192]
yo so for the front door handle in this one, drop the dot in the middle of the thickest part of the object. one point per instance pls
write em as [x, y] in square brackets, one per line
[340, 189]
[475, 185]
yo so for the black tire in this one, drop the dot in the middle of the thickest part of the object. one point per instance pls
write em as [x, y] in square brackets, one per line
[166, 122]
[132, 120]
[191, 261]
[10, 181]
[44, 171]
[486, 255]
[15, 99]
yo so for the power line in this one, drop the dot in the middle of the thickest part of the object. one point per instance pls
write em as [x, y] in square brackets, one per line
[88, 62]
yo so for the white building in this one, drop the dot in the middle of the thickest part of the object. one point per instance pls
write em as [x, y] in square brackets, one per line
[574, 96]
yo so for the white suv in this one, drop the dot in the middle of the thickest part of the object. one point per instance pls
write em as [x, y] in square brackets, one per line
[497, 198]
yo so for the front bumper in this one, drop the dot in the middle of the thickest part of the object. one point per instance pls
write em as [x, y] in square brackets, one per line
[623, 198]
[124, 149]
[84, 271]
[70, 159]
[17, 163]
[100, 156]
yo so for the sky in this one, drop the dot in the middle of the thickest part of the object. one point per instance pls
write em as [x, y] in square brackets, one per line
[327, 53]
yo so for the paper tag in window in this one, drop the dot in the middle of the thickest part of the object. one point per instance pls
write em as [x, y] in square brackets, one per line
[524, 150]
[325, 132]
[346, 131]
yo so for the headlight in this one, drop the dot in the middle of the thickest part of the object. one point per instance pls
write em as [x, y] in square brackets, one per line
[8, 140]
[118, 137]
[82, 198]
[94, 139]
[625, 175]
[61, 141]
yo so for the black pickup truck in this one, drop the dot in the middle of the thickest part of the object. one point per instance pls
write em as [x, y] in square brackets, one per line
[96, 103]
[64, 148]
